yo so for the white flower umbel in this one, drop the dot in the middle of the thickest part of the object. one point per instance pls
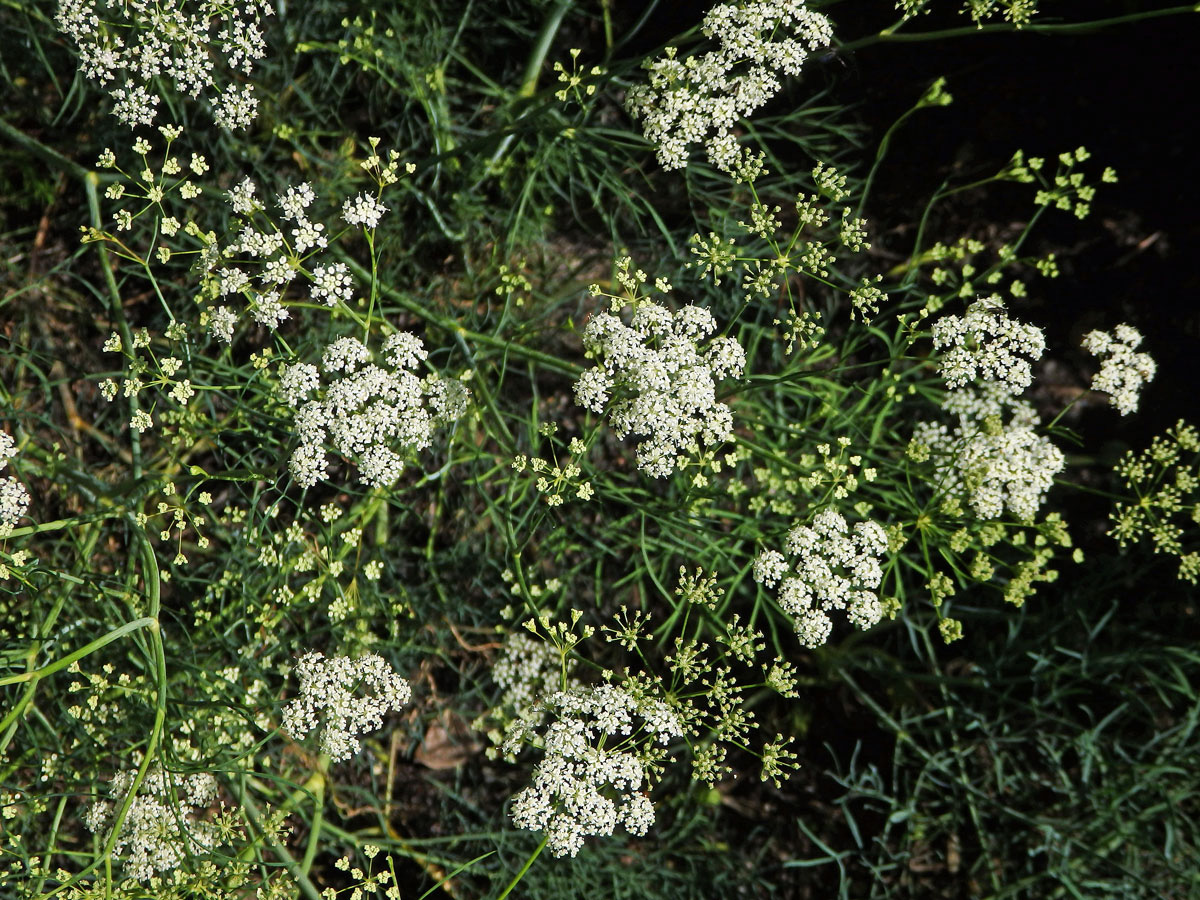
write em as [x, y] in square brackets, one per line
[595, 745]
[183, 43]
[271, 257]
[827, 566]
[364, 210]
[151, 840]
[698, 99]
[985, 344]
[1123, 371]
[345, 698]
[378, 414]
[993, 464]
[657, 380]
[14, 498]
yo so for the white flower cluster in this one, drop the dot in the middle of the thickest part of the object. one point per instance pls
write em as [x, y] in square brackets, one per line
[527, 670]
[364, 210]
[698, 99]
[835, 567]
[1122, 370]
[376, 413]
[151, 840]
[134, 42]
[590, 779]
[14, 498]
[327, 700]
[985, 344]
[995, 465]
[278, 258]
[663, 385]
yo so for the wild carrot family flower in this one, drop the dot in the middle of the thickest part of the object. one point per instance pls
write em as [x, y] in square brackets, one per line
[698, 99]
[186, 43]
[155, 837]
[596, 746]
[1123, 372]
[832, 567]
[268, 257]
[996, 465]
[329, 700]
[985, 344]
[378, 414]
[14, 498]
[655, 379]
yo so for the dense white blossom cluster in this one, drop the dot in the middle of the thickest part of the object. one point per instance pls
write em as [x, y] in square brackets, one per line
[14, 498]
[698, 99]
[985, 344]
[591, 776]
[363, 210]
[329, 700]
[995, 465]
[184, 42]
[656, 381]
[155, 837]
[266, 257]
[376, 413]
[832, 566]
[1123, 371]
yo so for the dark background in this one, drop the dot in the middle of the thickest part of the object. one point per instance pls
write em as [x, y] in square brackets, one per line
[1126, 92]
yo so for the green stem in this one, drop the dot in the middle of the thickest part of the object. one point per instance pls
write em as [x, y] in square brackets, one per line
[890, 35]
[533, 70]
[289, 862]
[314, 834]
[59, 524]
[48, 154]
[87, 649]
[450, 325]
[533, 66]
[159, 660]
[525, 868]
[90, 182]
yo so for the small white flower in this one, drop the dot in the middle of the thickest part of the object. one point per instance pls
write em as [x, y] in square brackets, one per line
[221, 322]
[654, 380]
[241, 198]
[296, 199]
[344, 698]
[699, 99]
[986, 345]
[297, 382]
[162, 825]
[1123, 372]
[236, 107]
[332, 284]
[141, 421]
[996, 465]
[834, 567]
[375, 414]
[586, 785]
[14, 502]
[364, 210]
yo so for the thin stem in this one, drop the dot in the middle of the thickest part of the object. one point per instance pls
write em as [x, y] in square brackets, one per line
[289, 862]
[83, 651]
[452, 326]
[891, 35]
[90, 182]
[525, 868]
